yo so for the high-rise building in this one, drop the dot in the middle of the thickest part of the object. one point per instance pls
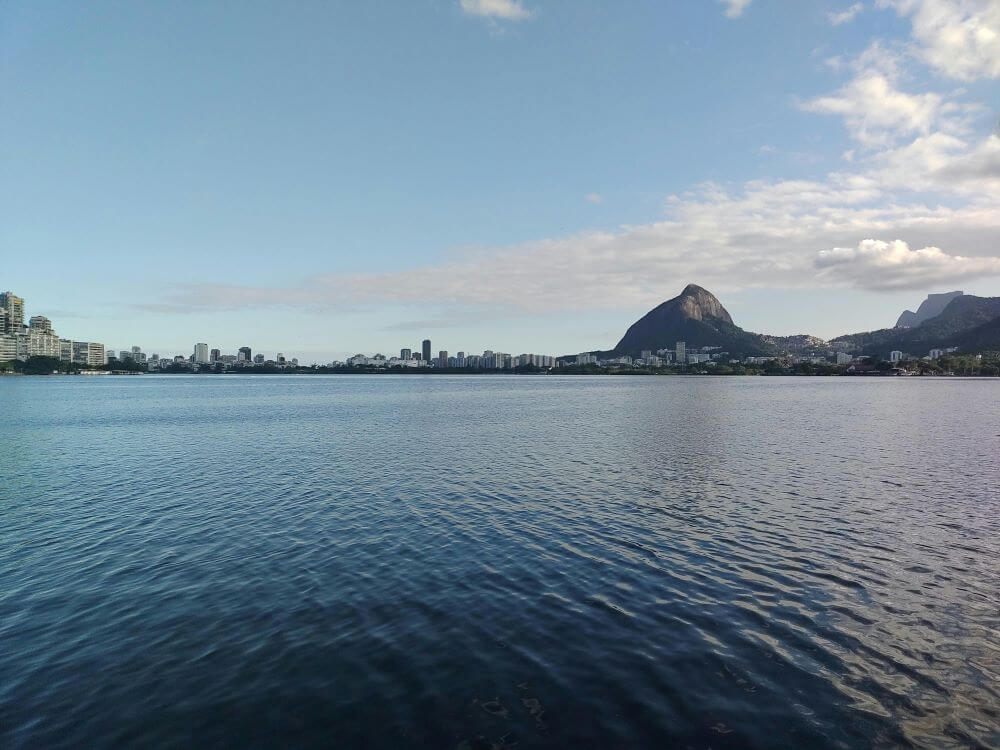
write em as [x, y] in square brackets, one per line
[8, 347]
[42, 343]
[243, 355]
[426, 348]
[895, 356]
[258, 359]
[88, 353]
[443, 358]
[281, 358]
[65, 350]
[681, 352]
[214, 355]
[200, 354]
[13, 305]
[405, 353]
[40, 323]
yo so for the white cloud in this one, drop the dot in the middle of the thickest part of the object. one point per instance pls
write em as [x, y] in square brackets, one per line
[762, 234]
[875, 112]
[920, 175]
[735, 8]
[879, 265]
[960, 38]
[846, 15]
[978, 169]
[504, 10]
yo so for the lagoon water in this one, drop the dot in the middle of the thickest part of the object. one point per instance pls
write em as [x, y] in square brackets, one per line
[476, 562]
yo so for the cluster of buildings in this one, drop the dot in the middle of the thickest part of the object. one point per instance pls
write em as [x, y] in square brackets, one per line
[38, 338]
[488, 360]
[201, 357]
[678, 355]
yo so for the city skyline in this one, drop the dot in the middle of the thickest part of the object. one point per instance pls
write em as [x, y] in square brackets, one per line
[38, 339]
[546, 174]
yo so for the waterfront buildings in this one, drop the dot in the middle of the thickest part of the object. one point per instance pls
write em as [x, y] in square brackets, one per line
[39, 338]
[426, 350]
[87, 353]
[200, 355]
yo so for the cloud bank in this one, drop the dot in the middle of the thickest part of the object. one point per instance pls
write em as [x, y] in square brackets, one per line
[879, 265]
[922, 176]
[960, 38]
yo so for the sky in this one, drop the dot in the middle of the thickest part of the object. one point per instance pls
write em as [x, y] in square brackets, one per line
[325, 178]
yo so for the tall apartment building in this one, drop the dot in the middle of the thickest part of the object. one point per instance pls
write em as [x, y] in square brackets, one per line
[87, 353]
[14, 308]
[40, 323]
[215, 355]
[200, 354]
[426, 350]
[681, 352]
[8, 347]
[405, 353]
[243, 354]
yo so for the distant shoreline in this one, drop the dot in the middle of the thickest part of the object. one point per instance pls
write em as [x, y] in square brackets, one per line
[479, 373]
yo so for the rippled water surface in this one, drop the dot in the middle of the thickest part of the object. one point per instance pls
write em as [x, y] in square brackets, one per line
[474, 562]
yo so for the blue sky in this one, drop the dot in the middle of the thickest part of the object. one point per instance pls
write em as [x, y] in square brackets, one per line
[325, 178]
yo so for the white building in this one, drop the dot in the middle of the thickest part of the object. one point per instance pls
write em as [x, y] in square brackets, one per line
[88, 353]
[680, 352]
[8, 347]
[895, 356]
[43, 343]
[41, 323]
[13, 307]
[200, 354]
[843, 358]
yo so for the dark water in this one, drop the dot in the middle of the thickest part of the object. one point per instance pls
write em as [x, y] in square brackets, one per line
[465, 562]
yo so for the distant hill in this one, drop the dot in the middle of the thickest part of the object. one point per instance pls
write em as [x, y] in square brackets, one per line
[695, 317]
[968, 322]
[931, 307]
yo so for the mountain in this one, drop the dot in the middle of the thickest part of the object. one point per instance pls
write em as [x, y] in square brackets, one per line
[695, 317]
[968, 322]
[931, 307]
